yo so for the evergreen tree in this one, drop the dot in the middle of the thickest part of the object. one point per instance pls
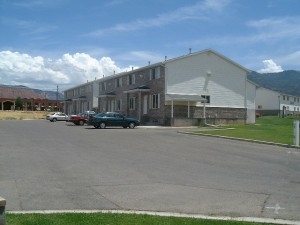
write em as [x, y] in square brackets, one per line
[19, 103]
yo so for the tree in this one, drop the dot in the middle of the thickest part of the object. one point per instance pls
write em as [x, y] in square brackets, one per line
[19, 103]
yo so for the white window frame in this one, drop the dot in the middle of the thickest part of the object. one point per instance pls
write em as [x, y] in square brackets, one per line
[119, 105]
[207, 97]
[155, 101]
[132, 103]
[156, 74]
[119, 82]
[131, 79]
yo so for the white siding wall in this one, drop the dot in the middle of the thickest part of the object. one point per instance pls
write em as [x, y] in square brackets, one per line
[207, 74]
[267, 99]
[251, 95]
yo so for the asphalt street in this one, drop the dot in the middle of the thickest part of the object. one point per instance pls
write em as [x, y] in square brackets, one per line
[58, 166]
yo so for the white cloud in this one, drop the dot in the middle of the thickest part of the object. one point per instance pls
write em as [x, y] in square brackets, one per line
[276, 28]
[200, 10]
[69, 70]
[292, 60]
[270, 67]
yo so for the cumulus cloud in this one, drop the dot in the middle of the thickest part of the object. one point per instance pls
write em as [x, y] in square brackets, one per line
[270, 67]
[69, 70]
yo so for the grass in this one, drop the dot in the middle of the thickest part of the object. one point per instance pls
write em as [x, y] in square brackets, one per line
[22, 115]
[267, 128]
[110, 219]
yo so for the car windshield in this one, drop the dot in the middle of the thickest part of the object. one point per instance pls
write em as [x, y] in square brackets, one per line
[100, 114]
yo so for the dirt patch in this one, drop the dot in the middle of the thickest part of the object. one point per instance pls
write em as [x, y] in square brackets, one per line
[22, 115]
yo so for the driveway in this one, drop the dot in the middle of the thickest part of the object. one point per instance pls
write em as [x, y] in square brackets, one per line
[58, 166]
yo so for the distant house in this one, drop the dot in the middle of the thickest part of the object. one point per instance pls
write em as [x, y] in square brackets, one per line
[30, 100]
[201, 87]
[269, 102]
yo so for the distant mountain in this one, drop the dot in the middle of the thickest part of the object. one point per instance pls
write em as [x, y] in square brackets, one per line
[286, 82]
[51, 95]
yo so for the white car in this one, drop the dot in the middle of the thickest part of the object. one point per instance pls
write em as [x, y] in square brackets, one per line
[57, 116]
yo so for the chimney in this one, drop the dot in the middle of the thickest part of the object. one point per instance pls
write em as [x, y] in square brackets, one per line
[190, 49]
[166, 58]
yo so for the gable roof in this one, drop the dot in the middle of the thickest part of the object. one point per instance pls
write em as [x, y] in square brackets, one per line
[13, 93]
[210, 51]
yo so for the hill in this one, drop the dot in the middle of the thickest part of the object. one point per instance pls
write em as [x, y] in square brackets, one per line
[51, 95]
[286, 82]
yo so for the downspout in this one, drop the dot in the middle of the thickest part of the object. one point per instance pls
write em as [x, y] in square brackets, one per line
[188, 109]
[140, 105]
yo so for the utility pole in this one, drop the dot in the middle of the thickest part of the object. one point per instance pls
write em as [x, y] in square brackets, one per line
[57, 97]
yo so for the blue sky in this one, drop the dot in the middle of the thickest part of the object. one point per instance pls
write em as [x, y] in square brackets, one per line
[44, 43]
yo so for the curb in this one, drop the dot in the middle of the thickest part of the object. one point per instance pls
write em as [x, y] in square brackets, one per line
[242, 139]
[166, 214]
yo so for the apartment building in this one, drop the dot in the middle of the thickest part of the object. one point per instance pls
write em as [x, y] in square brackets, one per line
[271, 102]
[201, 87]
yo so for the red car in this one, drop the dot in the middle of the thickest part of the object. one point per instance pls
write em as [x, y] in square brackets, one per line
[81, 118]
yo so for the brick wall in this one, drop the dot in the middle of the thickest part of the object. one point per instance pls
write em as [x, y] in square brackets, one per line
[214, 115]
[125, 91]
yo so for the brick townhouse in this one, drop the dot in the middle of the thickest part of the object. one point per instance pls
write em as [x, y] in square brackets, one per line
[200, 87]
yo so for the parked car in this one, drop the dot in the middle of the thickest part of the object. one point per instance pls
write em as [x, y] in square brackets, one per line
[81, 118]
[105, 119]
[57, 116]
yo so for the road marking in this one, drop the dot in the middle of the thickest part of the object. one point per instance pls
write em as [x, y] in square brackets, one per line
[276, 208]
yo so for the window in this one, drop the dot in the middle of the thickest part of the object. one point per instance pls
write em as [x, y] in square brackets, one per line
[104, 86]
[100, 87]
[119, 105]
[82, 91]
[132, 103]
[131, 79]
[207, 97]
[155, 101]
[288, 98]
[119, 82]
[283, 97]
[154, 73]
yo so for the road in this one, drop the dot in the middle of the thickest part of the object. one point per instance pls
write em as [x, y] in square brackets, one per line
[58, 166]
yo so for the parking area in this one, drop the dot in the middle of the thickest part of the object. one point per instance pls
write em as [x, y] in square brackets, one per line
[53, 166]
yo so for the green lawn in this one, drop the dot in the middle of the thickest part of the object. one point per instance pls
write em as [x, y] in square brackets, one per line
[267, 128]
[110, 219]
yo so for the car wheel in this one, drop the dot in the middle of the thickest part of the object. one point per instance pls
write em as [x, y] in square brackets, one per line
[131, 125]
[102, 125]
[54, 120]
[81, 122]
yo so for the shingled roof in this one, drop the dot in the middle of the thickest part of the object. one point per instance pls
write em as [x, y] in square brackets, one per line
[13, 93]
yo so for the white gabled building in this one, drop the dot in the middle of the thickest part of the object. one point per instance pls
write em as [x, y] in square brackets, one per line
[219, 80]
[200, 87]
[269, 102]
